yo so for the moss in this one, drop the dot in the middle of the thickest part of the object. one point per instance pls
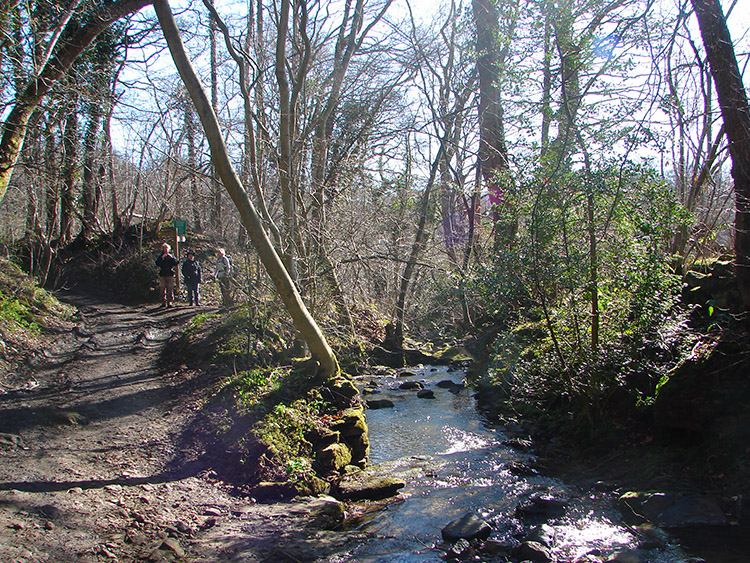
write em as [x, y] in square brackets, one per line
[342, 392]
[334, 457]
[351, 422]
[28, 315]
[452, 354]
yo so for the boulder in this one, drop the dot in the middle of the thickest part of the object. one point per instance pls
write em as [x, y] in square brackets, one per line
[343, 392]
[544, 534]
[351, 422]
[651, 536]
[532, 551]
[542, 505]
[325, 512]
[333, 457]
[453, 354]
[362, 485]
[522, 469]
[457, 388]
[270, 491]
[468, 527]
[426, 394]
[321, 437]
[461, 550]
[380, 404]
[494, 547]
[353, 429]
[409, 385]
[519, 443]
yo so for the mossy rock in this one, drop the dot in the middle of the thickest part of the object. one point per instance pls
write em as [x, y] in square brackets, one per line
[333, 458]
[360, 446]
[453, 354]
[321, 437]
[326, 513]
[362, 485]
[272, 491]
[312, 485]
[352, 422]
[353, 428]
[342, 391]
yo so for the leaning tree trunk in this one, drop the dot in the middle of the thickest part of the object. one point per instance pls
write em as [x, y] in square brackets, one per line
[303, 321]
[736, 113]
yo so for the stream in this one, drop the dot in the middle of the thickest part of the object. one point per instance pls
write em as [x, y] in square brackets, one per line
[453, 463]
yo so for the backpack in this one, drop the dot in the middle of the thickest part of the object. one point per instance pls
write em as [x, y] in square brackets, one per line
[230, 267]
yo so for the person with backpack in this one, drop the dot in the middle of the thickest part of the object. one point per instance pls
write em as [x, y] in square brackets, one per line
[224, 275]
[191, 275]
[166, 264]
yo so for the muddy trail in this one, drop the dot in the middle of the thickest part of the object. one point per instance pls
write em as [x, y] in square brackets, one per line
[88, 460]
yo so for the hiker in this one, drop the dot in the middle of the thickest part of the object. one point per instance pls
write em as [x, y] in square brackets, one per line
[224, 275]
[166, 263]
[191, 275]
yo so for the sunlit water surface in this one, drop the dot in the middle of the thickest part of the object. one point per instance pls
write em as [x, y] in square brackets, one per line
[453, 462]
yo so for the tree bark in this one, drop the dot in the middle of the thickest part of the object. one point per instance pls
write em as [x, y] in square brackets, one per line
[736, 114]
[74, 40]
[284, 159]
[216, 190]
[88, 188]
[70, 170]
[283, 283]
[193, 168]
[420, 241]
[493, 153]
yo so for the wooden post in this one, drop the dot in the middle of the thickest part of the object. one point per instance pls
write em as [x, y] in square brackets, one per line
[176, 255]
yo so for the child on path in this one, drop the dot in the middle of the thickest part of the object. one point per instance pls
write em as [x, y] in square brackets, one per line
[191, 275]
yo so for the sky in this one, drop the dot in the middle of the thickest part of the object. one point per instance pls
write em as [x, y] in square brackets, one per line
[125, 135]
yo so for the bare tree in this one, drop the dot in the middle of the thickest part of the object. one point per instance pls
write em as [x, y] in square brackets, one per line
[74, 39]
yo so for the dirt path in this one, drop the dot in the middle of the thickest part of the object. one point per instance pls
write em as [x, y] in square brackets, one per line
[87, 450]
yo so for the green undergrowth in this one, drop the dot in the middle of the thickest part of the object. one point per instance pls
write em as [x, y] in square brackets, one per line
[267, 402]
[673, 401]
[28, 315]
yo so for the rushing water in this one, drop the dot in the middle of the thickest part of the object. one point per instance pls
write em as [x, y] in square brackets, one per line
[453, 463]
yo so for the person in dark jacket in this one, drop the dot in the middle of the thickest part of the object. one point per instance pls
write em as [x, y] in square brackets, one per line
[191, 275]
[166, 264]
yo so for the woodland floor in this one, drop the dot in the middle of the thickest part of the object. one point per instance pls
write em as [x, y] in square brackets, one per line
[88, 460]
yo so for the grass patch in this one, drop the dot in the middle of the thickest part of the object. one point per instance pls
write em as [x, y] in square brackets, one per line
[16, 315]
